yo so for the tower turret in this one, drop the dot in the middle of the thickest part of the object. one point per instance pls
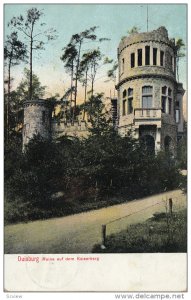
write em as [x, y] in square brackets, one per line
[147, 88]
[37, 119]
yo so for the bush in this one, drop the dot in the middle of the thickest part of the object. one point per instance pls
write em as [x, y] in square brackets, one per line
[182, 153]
[101, 170]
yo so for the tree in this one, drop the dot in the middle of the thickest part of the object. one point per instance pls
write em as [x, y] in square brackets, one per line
[14, 53]
[182, 149]
[18, 96]
[84, 67]
[179, 47]
[100, 119]
[88, 69]
[69, 58]
[77, 40]
[134, 29]
[95, 58]
[37, 90]
[72, 56]
[27, 25]
[112, 73]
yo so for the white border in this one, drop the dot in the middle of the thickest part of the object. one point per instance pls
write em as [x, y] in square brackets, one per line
[79, 295]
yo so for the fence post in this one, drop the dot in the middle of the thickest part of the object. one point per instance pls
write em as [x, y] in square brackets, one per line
[103, 236]
[170, 206]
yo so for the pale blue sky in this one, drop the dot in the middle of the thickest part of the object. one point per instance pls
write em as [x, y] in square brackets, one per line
[113, 20]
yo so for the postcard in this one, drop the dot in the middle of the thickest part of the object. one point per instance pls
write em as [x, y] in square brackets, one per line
[95, 143]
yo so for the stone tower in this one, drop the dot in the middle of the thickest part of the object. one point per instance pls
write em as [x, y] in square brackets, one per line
[37, 119]
[147, 88]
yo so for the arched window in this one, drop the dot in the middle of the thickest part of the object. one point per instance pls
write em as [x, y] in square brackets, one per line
[147, 96]
[124, 102]
[130, 101]
[147, 55]
[130, 92]
[177, 115]
[162, 58]
[164, 99]
[132, 60]
[124, 93]
[154, 56]
[139, 57]
[169, 101]
[123, 64]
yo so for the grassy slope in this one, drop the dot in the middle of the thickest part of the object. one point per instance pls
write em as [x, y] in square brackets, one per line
[157, 234]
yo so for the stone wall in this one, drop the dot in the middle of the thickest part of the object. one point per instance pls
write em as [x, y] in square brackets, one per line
[165, 70]
[169, 130]
[37, 117]
[157, 39]
[137, 85]
[76, 129]
[159, 35]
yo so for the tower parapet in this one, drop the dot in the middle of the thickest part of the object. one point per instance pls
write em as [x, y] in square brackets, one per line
[147, 53]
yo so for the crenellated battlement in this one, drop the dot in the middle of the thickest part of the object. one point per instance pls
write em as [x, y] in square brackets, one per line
[61, 128]
[159, 35]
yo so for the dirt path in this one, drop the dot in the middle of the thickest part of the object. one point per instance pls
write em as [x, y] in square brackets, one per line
[79, 233]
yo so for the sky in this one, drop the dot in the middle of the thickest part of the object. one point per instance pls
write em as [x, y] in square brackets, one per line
[114, 20]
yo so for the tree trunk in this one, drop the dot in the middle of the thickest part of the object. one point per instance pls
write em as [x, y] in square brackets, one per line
[93, 79]
[76, 79]
[31, 53]
[30, 80]
[71, 94]
[92, 88]
[85, 92]
[8, 99]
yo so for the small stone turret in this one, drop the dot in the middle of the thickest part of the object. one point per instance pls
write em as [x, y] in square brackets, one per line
[37, 119]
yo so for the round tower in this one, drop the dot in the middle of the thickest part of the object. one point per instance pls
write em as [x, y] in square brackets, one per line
[37, 116]
[147, 88]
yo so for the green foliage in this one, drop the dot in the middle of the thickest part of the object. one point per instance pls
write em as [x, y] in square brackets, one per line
[101, 170]
[82, 65]
[89, 66]
[15, 101]
[180, 52]
[38, 90]
[182, 153]
[112, 72]
[13, 157]
[72, 57]
[139, 238]
[179, 47]
[34, 35]
[14, 50]
[99, 118]
[134, 29]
